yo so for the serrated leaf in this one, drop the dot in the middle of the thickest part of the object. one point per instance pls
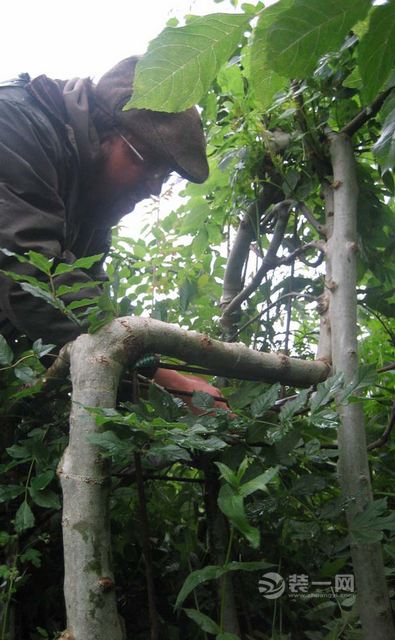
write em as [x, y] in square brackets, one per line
[200, 242]
[65, 289]
[41, 349]
[364, 377]
[17, 451]
[33, 556]
[204, 622]
[188, 289]
[262, 404]
[195, 219]
[25, 374]
[213, 572]
[326, 391]
[202, 400]
[40, 262]
[259, 483]
[6, 354]
[81, 263]
[12, 254]
[384, 148]
[227, 474]
[45, 498]
[10, 491]
[25, 278]
[182, 62]
[292, 406]
[368, 526]
[110, 442]
[42, 293]
[232, 505]
[310, 28]
[42, 480]
[264, 81]
[24, 518]
[376, 50]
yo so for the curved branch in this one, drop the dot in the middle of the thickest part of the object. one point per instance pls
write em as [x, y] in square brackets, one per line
[320, 246]
[386, 433]
[269, 262]
[292, 294]
[320, 228]
[366, 114]
[247, 232]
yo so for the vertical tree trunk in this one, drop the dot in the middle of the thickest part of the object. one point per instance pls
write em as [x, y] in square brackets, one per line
[372, 594]
[84, 476]
[324, 349]
[218, 538]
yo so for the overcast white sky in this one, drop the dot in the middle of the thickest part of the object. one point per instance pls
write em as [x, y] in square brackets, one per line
[84, 37]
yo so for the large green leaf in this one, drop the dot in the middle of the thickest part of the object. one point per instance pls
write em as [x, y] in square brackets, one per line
[182, 62]
[307, 30]
[24, 518]
[213, 572]
[262, 404]
[367, 526]
[231, 504]
[264, 81]
[384, 149]
[259, 483]
[376, 51]
[204, 622]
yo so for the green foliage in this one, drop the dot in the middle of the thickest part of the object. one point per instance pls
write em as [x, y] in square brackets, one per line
[376, 53]
[272, 467]
[384, 149]
[264, 80]
[202, 46]
[305, 31]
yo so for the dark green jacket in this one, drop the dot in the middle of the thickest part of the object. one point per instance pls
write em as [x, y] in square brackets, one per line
[46, 141]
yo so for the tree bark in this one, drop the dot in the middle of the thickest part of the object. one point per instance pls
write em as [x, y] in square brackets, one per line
[372, 595]
[84, 476]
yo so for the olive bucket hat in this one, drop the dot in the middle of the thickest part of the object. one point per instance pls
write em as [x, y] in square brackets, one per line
[178, 137]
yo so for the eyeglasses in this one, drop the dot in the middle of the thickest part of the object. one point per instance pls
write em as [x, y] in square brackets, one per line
[156, 175]
[132, 147]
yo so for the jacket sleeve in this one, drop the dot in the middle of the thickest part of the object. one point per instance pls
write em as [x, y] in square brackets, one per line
[33, 217]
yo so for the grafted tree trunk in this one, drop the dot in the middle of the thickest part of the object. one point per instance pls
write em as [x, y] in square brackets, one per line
[84, 475]
[372, 594]
[97, 362]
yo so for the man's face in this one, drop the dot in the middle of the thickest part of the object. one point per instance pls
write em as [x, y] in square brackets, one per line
[121, 180]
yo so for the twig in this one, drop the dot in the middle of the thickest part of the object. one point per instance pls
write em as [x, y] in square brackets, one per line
[286, 260]
[320, 228]
[386, 433]
[366, 114]
[269, 261]
[388, 367]
[293, 294]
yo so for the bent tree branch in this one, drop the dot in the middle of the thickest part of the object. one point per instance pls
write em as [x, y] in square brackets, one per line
[269, 262]
[96, 365]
